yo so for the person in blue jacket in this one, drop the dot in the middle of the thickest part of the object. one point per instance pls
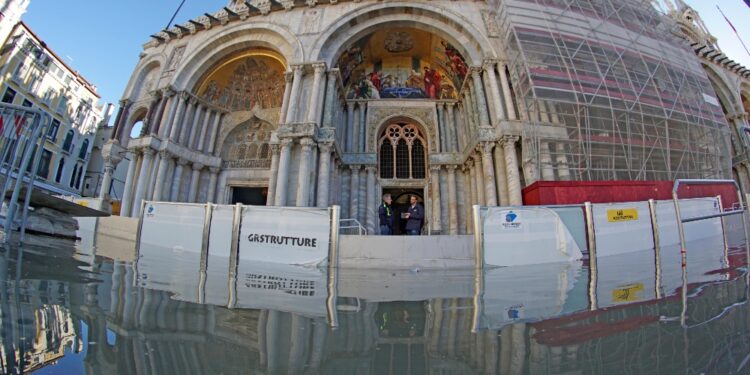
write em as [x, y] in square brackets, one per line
[385, 212]
[414, 216]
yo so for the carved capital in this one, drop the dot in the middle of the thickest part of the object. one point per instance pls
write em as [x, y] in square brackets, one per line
[469, 163]
[489, 65]
[325, 147]
[198, 166]
[184, 95]
[319, 67]
[148, 151]
[486, 147]
[451, 168]
[286, 143]
[509, 140]
[306, 143]
[182, 162]
[214, 170]
[355, 167]
[288, 76]
[435, 168]
[164, 154]
[275, 147]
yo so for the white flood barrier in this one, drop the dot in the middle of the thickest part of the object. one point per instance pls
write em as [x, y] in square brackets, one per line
[177, 226]
[526, 235]
[666, 220]
[169, 269]
[622, 228]
[528, 293]
[291, 235]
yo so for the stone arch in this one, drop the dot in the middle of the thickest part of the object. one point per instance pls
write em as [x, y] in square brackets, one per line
[745, 96]
[241, 147]
[146, 72]
[728, 98]
[234, 39]
[455, 29]
[138, 113]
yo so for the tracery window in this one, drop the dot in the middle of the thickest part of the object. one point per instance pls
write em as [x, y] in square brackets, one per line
[402, 152]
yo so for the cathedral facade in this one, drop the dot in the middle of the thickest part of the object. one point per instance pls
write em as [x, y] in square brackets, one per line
[293, 103]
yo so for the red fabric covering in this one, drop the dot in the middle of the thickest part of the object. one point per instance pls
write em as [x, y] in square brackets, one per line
[578, 192]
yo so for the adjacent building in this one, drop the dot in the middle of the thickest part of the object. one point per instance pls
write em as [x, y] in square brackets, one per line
[458, 102]
[33, 76]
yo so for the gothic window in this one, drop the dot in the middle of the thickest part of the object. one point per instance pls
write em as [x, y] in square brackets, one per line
[402, 152]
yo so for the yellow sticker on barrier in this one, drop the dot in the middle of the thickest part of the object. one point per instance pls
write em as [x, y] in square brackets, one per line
[83, 203]
[628, 293]
[622, 214]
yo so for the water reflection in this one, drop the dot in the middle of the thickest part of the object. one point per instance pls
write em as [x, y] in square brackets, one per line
[167, 314]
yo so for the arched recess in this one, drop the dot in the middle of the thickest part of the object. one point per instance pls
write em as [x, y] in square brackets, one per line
[247, 146]
[427, 131]
[728, 99]
[138, 115]
[470, 41]
[236, 39]
[144, 81]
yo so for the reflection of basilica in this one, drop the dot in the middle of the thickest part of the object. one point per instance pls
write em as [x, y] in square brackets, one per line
[290, 105]
[147, 319]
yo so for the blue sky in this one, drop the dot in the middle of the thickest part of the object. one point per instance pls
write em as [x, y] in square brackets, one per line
[102, 39]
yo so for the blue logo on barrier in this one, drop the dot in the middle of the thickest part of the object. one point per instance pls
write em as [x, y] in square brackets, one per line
[510, 217]
[150, 210]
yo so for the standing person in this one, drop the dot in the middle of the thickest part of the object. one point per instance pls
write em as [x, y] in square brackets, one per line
[414, 216]
[386, 216]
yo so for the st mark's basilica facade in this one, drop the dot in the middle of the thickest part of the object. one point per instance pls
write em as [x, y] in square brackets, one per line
[316, 103]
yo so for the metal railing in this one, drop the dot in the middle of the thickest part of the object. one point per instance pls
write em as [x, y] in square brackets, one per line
[23, 132]
[352, 224]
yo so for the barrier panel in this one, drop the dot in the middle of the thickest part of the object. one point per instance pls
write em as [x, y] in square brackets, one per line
[622, 228]
[704, 258]
[169, 269]
[666, 220]
[174, 226]
[525, 235]
[291, 235]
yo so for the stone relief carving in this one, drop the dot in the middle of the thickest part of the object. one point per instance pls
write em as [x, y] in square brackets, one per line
[176, 57]
[490, 23]
[252, 84]
[311, 21]
[399, 41]
[247, 146]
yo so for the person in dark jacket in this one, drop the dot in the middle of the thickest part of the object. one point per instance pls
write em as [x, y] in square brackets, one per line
[414, 216]
[386, 216]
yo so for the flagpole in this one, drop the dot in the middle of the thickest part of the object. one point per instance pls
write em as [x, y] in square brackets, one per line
[734, 29]
[175, 15]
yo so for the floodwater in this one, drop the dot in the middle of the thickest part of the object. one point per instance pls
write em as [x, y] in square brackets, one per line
[69, 310]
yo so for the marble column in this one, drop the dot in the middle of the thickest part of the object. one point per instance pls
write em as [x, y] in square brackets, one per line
[174, 194]
[206, 123]
[354, 192]
[194, 180]
[120, 120]
[295, 94]
[507, 94]
[214, 132]
[501, 176]
[490, 189]
[450, 124]
[200, 117]
[436, 221]
[372, 214]
[346, 181]
[176, 125]
[156, 120]
[349, 127]
[481, 101]
[362, 127]
[563, 170]
[283, 176]
[494, 90]
[152, 177]
[324, 173]
[355, 127]
[511, 169]
[471, 185]
[271, 197]
[479, 176]
[212, 177]
[191, 109]
[288, 77]
[303, 179]
[452, 200]
[473, 182]
[441, 127]
[331, 98]
[127, 194]
[169, 114]
[545, 159]
[109, 169]
[471, 112]
[142, 183]
[313, 110]
[161, 174]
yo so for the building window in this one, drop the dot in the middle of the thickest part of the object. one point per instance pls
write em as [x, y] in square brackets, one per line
[402, 152]
[68, 143]
[9, 95]
[60, 167]
[20, 73]
[34, 82]
[80, 177]
[84, 149]
[27, 103]
[63, 105]
[53, 129]
[73, 177]
[43, 169]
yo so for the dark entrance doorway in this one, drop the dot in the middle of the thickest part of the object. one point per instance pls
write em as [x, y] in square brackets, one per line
[251, 196]
[401, 204]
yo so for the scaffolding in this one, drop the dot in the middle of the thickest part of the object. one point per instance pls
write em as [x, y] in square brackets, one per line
[609, 92]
